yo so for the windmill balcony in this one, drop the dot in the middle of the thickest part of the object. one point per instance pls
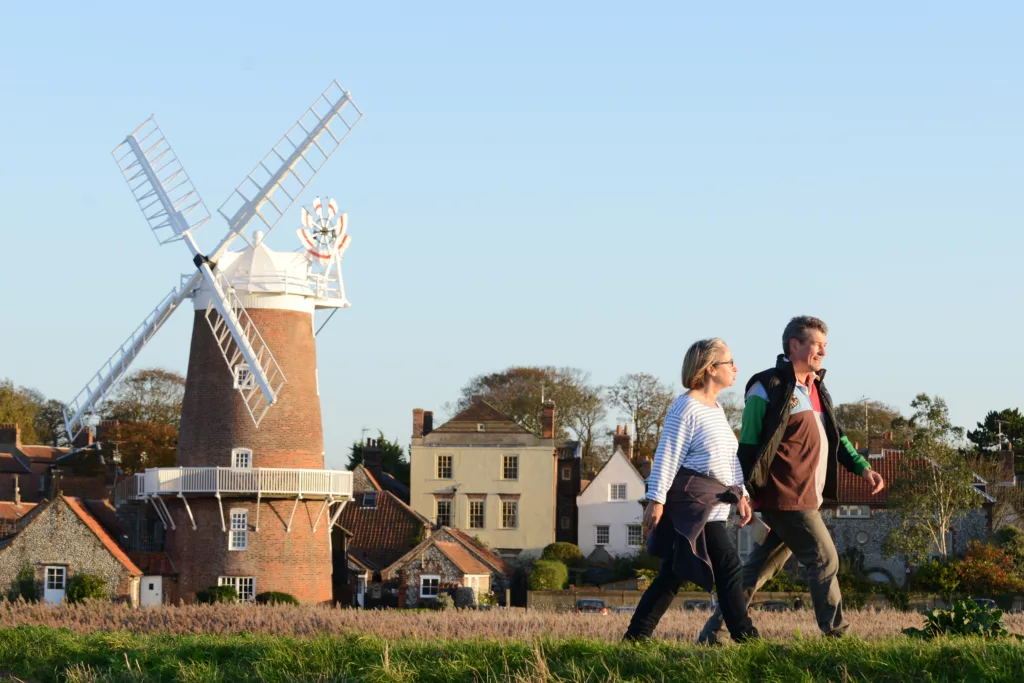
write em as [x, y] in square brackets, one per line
[263, 482]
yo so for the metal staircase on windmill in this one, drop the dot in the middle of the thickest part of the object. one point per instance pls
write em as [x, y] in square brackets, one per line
[175, 212]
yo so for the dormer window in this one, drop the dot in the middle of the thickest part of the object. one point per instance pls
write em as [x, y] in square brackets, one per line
[241, 458]
[244, 379]
[370, 500]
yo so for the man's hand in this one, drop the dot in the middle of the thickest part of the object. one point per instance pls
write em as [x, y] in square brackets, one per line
[744, 510]
[652, 515]
[875, 479]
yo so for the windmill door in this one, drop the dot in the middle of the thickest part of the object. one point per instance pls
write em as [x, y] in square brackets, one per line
[56, 584]
[152, 592]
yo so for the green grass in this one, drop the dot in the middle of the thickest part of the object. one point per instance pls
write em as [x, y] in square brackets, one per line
[45, 654]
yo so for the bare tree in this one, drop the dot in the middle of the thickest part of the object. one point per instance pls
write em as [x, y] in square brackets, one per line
[646, 400]
[732, 404]
[148, 395]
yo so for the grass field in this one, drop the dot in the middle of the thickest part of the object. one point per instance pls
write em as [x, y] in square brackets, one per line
[245, 643]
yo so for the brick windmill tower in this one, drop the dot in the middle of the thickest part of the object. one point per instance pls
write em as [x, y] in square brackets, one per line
[250, 504]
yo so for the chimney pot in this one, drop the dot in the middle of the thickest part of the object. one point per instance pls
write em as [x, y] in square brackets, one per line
[417, 423]
[618, 430]
[547, 420]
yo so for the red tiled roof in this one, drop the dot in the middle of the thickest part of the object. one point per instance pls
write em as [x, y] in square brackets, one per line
[153, 563]
[44, 453]
[12, 513]
[462, 559]
[854, 490]
[382, 534]
[112, 547]
[11, 463]
[487, 555]
[105, 514]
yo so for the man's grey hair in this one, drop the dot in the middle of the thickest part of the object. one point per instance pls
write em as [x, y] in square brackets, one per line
[798, 328]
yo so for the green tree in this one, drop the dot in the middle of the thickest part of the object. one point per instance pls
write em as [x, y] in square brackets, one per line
[549, 575]
[49, 423]
[1009, 422]
[147, 395]
[393, 458]
[84, 586]
[141, 445]
[881, 418]
[934, 485]
[20, 405]
[645, 400]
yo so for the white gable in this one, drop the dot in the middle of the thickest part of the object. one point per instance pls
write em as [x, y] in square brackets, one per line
[609, 511]
[618, 470]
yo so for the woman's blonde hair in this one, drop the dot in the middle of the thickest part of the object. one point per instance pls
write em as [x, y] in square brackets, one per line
[701, 355]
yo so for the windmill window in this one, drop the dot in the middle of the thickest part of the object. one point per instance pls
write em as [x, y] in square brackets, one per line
[244, 379]
[245, 586]
[239, 535]
[241, 458]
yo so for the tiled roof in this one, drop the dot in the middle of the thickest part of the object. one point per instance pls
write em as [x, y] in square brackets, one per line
[112, 547]
[105, 514]
[479, 413]
[487, 555]
[11, 463]
[12, 513]
[462, 559]
[382, 534]
[153, 563]
[44, 453]
[855, 490]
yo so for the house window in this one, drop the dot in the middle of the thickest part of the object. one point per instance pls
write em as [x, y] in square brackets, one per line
[55, 578]
[603, 534]
[634, 536]
[853, 512]
[509, 514]
[510, 467]
[444, 512]
[241, 457]
[616, 492]
[444, 467]
[370, 500]
[245, 586]
[238, 538]
[566, 522]
[566, 474]
[244, 379]
[42, 483]
[476, 514]
[430, 585]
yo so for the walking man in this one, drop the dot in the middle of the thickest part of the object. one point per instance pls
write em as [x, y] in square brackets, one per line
[790, 450]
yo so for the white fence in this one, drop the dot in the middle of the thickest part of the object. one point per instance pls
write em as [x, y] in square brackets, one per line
[266, 481]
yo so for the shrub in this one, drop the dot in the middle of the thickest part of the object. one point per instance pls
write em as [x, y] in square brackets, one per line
[784, 582]
[84, 586]
[938, 576]
[217, 594]
[549, 575]
[443, 601]
[899, 598]
[25, 586]
[563, 552]
[487, 599]
[465, 597]
[966, 618]
[987, 569]
[276, 598]
[1011, 539]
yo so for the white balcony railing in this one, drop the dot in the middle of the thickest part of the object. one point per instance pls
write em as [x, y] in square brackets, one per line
[263, 481]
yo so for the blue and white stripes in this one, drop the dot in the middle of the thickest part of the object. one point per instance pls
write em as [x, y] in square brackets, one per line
[697, 436]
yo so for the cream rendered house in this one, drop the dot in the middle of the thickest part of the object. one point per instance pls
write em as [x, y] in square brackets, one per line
[485, 474]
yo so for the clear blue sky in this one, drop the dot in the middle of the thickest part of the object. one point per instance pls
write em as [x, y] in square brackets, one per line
[583, 184]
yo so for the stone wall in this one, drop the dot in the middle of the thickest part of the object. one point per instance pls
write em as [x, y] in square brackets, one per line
[57, 536]
[431, 561]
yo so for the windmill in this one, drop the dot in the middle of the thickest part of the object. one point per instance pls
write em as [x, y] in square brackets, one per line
[231, 507]
[175, 213]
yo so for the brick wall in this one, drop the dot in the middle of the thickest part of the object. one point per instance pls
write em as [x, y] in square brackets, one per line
[57, 536]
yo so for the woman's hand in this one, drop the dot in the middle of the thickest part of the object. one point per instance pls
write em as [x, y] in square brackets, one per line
[652, 515]
[744, 510]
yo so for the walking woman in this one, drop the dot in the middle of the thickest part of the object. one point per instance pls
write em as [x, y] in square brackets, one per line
[695, 479]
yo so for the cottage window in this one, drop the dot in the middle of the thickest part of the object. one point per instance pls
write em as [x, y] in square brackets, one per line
[55, 578]
[241, 458]
[603, 534]
[510, 467]
[238, 538]
[444, 467]
[853, 512]
[370, 499]
[566, 474]
[509, 514]
[566, 522]
[245, 586]
[616, 492]
[444, 512]
[244, 379]
[634, 536]
[476, 514]
[430, 585]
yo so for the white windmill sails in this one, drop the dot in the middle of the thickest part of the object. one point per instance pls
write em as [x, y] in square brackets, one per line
[174, 210]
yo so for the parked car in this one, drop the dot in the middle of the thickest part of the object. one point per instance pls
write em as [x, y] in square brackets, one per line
[625, 609]
[697, 605]
[770, 606]
[591, 606]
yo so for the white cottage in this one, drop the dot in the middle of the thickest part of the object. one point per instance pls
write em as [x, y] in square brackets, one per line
[609, 509]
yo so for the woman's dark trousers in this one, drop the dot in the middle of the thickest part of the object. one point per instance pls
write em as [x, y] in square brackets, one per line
[728, 584]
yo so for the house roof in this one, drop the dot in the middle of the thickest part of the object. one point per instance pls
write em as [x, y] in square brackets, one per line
[462, 558]
[12, 463]
[383, 533]
[482, 556]
[855, 490]
[9, 512]
[153, 563]
[386, 483]
[618, 452]
[76, 506]
[481, 412]
[44, 453]
[105, 514]
[483, 553]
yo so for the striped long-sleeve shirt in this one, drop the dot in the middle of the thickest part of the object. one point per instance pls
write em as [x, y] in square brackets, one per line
[698, 437]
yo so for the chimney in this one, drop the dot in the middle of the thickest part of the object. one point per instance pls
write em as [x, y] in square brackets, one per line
[428, 422]
[10, 433]
[547, 421]
[623, 441]
[417, 423]
[643, 466]
[84, 438]
[373, 459]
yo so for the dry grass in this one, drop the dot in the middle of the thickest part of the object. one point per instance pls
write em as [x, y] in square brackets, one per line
[498, 624]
